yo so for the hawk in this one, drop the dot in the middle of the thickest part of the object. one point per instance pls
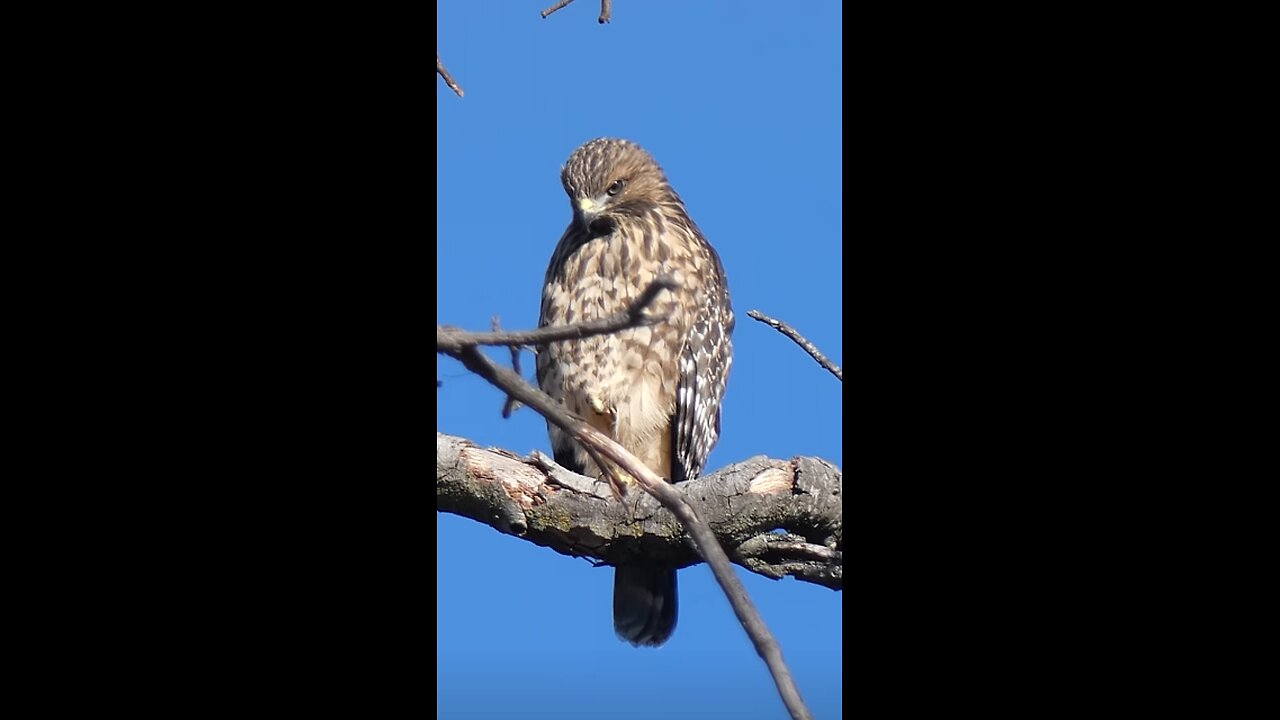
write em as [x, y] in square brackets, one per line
[655, 390]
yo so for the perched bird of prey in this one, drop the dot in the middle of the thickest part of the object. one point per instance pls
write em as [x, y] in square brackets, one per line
[655, 390]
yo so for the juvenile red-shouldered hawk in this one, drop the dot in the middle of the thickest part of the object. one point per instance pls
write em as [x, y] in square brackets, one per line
[655, 390]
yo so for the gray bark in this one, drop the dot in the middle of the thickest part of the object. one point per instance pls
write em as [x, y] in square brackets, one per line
[773, 517]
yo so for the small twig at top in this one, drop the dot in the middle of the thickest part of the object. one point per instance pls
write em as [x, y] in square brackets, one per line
[606, 9]
[448, 79]
[555, 7]
[634, 316]
[800, 340]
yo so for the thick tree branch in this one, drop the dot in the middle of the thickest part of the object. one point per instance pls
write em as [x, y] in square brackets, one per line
[800, 340]
[744, 504]
[670, 497]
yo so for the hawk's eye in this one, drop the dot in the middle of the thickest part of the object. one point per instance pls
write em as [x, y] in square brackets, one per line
[617, 186]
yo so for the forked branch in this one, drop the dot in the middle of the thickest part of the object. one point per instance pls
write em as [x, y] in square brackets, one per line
[669, 495]
[450, 340]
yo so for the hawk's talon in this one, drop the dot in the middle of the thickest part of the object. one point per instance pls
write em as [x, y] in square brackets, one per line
[558, 475]
[597, 404]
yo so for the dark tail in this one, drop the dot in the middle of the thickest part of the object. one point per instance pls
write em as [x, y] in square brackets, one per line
[644, 604]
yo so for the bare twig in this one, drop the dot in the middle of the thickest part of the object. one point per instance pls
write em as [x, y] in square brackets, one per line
[511, 404]
[669, 495]
[448, 79]
[555, 7]
[606, 9]
[800, 340]
[451, 339]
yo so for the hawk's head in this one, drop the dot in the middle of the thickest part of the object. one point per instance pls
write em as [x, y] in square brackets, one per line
[607, 179]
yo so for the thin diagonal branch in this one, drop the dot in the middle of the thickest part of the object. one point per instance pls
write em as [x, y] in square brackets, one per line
[452, 339]
[511, 404]
[669, 495]
[555, 7]
[448, 79]
[800, 340]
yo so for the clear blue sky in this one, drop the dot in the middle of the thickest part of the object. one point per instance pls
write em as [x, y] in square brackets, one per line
[740, 102]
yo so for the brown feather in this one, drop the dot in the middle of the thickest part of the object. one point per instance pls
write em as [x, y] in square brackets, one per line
[656, 389]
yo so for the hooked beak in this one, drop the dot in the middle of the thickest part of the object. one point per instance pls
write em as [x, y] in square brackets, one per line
[589, 209]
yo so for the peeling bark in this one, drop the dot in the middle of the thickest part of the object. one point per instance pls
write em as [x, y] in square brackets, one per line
[773, 517]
